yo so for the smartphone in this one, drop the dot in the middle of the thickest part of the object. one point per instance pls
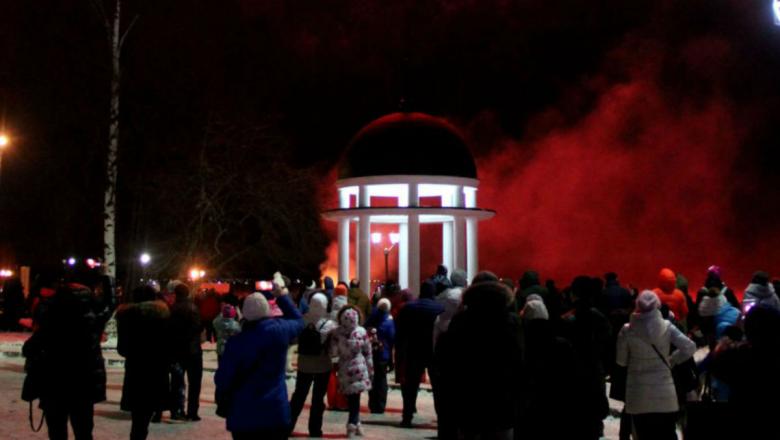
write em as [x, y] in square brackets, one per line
[264, 285]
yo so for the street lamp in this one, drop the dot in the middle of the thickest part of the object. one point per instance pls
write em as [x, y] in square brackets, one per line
[395, 237]
[196, 274]
[144, 259]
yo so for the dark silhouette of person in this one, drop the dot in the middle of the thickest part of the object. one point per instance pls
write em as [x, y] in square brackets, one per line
[414, 345]
[66, 344]
[187, 355]
[143, 340]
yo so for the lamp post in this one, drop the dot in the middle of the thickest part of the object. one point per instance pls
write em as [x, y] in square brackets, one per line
[395, 237]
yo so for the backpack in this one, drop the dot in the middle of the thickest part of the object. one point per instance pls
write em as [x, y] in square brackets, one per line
[309, 341]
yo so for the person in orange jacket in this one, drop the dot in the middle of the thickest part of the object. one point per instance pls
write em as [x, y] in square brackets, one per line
[671, 296]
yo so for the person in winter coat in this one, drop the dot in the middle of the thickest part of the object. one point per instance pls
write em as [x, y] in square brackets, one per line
[548, 359]
[65, 349]
[340, 300]
[651, 398]
[748, 368]
[714, 306]
[351, 345]
[356, 297]
[314, 364]
[440, 279]
[225, 326]
[329, 287]
[671, 296]
[253, 365]
[481, 368]
[414, 353]
[142, 339]
[715, 279]
[209, 308]
[760, 292]
[187, 353]
[589, 333]
[529, 284]
[381, 329]
[450, 300]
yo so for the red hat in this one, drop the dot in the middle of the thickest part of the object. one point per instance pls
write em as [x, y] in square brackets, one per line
[340, 290]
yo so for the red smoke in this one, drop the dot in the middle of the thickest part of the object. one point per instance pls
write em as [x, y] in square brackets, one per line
[643, 181]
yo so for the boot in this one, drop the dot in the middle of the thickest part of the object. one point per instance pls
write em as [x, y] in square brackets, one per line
[359, 429]
[351, 430]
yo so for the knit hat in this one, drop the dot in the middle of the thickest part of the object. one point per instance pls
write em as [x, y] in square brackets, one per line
[715, 270]
[256, 307]
[647, 301]
[535, 309]
[340, 290]
[761, 278]
[228, 311]
[384, 305]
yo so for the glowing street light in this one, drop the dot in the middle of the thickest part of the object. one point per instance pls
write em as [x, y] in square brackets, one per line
[72, 261]
[144, 259]
[6, 273]
[196, 274]
[4, 141]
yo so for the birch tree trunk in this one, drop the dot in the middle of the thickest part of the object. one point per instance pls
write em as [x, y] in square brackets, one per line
[109, 200]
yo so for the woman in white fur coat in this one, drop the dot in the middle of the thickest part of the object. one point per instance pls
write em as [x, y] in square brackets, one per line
[351, 345]
[651, 399]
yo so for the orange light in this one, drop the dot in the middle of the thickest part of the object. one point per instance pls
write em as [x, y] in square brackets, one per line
[4, 140]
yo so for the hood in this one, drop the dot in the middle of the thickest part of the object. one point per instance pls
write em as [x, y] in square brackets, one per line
[328, 283]
[349, 319]
[648, 326]
[667, 280]
[529, 278]
[759, 291]
[318, 307]
[459, 278]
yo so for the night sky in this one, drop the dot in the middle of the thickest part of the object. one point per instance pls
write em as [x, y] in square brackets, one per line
[610, 135]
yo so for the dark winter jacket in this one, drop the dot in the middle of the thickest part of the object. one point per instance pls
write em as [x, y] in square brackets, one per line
[329, 286]
[257, 357]
[385, 331]
[185, 328]
[548, 360]
[143, 340]
[67, 345]
[414, 327]
[480, 361]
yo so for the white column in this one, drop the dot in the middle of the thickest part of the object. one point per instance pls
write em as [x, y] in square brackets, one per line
[472, 249]
[364, 242]
[459, 234]
[403, 255]
[446, 244]
[344, 249]
[414, 242]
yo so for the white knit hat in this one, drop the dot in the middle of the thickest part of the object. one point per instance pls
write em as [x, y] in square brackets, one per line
[256, 307]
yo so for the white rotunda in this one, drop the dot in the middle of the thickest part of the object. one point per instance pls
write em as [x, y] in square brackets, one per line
[421, 164]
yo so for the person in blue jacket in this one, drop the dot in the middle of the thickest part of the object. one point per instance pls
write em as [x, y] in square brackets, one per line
[253, 368]
[382, 330]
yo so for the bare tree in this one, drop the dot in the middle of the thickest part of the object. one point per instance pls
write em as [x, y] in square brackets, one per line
[116, 39]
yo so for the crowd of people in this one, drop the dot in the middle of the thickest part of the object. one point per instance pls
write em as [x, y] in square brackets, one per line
[504, 361]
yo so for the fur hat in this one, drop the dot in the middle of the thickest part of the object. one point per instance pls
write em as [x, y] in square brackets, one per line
[256, 307]
[459, 278]
[384, 305]
[647, 301]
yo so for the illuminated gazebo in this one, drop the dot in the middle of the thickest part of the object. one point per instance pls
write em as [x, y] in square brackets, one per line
[421, 170]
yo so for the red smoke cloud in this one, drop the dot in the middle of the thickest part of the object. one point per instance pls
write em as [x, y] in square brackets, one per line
[643, 181]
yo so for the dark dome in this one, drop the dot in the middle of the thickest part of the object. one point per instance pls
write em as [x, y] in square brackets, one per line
[408, 144]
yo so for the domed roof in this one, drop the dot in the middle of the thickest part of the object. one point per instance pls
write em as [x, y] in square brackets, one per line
[408, 144]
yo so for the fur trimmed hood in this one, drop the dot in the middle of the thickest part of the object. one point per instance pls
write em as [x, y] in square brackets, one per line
[760, 291]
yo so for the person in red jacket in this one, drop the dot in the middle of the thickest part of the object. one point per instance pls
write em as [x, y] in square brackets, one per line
[671, 296]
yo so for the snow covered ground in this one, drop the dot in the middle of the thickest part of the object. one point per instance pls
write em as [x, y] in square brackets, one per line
[112, 424]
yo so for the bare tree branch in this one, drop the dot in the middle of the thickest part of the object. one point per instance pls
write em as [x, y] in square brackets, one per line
[127, 31]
